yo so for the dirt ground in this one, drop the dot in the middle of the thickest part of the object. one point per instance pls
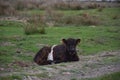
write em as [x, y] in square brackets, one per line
[88, 67]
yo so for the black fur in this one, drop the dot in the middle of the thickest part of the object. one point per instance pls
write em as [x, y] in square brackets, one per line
[65, 52]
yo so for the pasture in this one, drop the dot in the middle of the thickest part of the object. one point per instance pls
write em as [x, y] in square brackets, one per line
[18, 49]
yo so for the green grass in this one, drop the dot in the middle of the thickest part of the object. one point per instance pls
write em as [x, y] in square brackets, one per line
[15, 45]
[93, 40]
[32, 12]
[113, 76]
[74, 12]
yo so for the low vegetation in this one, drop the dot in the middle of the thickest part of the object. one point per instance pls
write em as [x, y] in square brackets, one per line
[35, 25]
[94, 39]
[96, 26]
[100, 16]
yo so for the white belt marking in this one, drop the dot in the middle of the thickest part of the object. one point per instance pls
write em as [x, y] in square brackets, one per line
[50, 55]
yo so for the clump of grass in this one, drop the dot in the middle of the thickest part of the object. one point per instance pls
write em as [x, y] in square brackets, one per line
[100, 9]
[42, 30]
[115, 17]
[87, 19]
[30, 29]
[35, 25]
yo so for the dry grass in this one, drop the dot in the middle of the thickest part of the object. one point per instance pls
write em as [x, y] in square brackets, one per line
[83, 19]
[6, 8]
[9, 7]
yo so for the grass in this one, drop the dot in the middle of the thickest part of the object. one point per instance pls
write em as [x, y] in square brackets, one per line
[113, 76]
[110, 60]
[15, 77]
[104, 37]
[43, 75]
[16, 46]
[32, 12]
[74, 12]
[106, 16]
[93, 40]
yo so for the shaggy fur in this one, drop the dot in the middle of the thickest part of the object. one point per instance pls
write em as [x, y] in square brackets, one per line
[65, 52]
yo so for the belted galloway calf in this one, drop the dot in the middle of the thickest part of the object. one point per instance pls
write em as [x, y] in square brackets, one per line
[65, 52]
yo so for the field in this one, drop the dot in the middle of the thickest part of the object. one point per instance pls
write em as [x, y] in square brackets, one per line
[18, 49]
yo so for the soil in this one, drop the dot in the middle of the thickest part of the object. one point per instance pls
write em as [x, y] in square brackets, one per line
[88, 67]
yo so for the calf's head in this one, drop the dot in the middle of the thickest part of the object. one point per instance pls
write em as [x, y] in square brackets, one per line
[71, 44]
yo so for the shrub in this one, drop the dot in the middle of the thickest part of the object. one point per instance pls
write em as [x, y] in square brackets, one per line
[20, 5]
[61, 5]
[93, 5]
[6, 8]
[75, 6]
[67, 6]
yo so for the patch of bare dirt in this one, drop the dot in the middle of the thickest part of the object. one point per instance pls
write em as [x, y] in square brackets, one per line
[88, 67]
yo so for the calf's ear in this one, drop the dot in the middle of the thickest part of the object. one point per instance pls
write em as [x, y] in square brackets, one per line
[64, 41]
[78, 41]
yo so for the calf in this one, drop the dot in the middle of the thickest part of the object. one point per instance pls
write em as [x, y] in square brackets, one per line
[64, 52]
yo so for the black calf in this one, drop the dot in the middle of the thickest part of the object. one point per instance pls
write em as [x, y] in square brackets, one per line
[65, 52]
